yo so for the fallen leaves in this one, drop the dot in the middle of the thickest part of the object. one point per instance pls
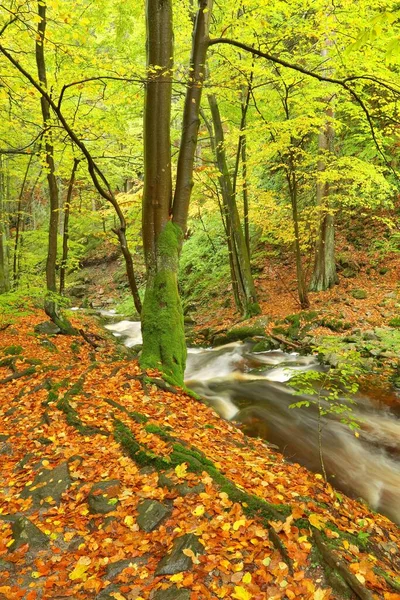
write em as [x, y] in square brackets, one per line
[239, 559]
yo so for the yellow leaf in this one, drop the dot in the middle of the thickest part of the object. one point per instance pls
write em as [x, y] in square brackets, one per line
[45, 463]
[316, 520]
[266, 561]
[176, 578]
[246, 578]
[237, 524]
[181, 470]
[241, 593]
[346, 544]
[35, 574]
[226, 526]
[320, 594]
[79, 572]
[117, 596]
[198, 511]
[129, 520]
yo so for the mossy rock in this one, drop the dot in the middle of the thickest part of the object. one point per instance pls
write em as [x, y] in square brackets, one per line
[47, 328]
[244, 332]
[395, 322]
[265, 345]
[13, 350]
[349, 273]
[359, 294]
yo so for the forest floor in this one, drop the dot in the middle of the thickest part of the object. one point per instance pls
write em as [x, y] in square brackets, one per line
[116, 486]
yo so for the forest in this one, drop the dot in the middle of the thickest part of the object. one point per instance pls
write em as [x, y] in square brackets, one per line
[199, 300]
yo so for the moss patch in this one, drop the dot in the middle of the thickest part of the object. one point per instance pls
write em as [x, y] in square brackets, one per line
[164, 346]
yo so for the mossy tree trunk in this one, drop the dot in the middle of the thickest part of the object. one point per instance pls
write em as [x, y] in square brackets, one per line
[164, 213]
[50, 306]
[4, 264]
[241, 261]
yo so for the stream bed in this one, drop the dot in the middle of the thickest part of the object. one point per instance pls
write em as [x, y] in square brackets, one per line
[251, 389]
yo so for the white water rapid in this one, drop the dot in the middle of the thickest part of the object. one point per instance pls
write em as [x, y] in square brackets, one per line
[250, 389]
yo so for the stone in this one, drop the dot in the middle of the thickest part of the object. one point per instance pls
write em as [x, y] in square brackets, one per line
[348, 273]
[78, 291]
[359, 294]
[25, 532]
[176, 561]
[47, 328]
[184, 489]
[5, 448]
[48, 483]
[117, 567]
[48, 345]
[370, 335]
[172, 593]
[151, 514]
[103, 496]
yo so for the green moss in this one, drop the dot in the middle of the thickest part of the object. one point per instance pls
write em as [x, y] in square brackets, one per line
[163, 329]
[395, 322]
[13, 350]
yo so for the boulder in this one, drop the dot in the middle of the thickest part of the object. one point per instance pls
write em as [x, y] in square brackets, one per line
[25, 532]
[103, 496]
[176, 561]
[117, 567]
[48, 483]
[47, 328]
[152, 514]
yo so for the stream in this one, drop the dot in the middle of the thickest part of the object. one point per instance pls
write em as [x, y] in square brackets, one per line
[251, 389]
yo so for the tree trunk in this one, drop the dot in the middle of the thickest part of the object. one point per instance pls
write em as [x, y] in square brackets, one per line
[324, 274]
[67, 208]
[18, 226]
[4, 266]
[247, 292]
[164, 221]
[50, 306]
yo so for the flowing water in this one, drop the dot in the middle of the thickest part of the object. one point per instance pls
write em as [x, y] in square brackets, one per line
[249, 388]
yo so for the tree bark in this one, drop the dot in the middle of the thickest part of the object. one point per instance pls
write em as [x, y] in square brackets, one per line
[324, 274]
[4, 265]
[50, 306]
[67, 208]
[247, 292]
[18, 225]
[164, 221]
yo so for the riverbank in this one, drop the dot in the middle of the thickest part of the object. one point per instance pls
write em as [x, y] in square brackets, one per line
[112, 487]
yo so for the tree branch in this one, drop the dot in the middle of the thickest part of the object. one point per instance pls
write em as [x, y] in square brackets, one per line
[295, 67]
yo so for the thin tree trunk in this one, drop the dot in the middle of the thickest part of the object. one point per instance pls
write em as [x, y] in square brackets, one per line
[18, 225]
[324, 274]
[247, 290]
[242, 154]
[64, 259]
[4, 266]
[50, 306]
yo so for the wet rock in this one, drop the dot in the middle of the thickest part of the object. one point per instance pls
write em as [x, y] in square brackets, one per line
[103, 496]
[47, 328]
[25, 532]
[48, 483]
[151, 514]
[176, 561]
[172, 593]
[117, 567]
[359, 294]
[48, 345]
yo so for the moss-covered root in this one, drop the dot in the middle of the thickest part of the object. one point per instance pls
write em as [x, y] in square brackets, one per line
[163, 330]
